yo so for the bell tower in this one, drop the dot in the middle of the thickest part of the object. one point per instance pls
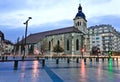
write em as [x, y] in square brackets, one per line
[80, 21]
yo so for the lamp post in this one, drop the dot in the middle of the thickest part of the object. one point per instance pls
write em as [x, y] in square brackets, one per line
[26, 23]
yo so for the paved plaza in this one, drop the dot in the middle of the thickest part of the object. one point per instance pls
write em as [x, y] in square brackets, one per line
[33, 71]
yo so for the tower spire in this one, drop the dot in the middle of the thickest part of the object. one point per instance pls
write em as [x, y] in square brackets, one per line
[79, 8]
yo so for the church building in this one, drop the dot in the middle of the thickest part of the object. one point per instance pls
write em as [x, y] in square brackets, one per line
[72, 39]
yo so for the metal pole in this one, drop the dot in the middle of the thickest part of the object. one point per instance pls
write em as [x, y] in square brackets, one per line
[25, 37]
[26, 23]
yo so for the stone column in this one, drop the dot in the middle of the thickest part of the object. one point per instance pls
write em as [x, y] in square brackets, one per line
[73, 44]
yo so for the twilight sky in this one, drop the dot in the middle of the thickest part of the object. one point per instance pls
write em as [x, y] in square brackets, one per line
[54, 14]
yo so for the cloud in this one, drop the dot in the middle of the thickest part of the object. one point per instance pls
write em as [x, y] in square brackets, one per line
[109, 7]
[55, 14]
[11, 5]
[108, 19]
[96, 2]
[16, 12]
[41, 12]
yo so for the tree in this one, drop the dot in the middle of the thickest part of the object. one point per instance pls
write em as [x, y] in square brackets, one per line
[58, 49]
[43, 47]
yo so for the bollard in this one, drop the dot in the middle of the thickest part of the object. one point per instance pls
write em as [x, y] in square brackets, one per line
[57, 61]
[77, 60]
[108, 59]
[43, 62]
[47, 58]
[68, 60]
[102, 59]
[15, 64]
[90, 59]
[6, 57]
[22, 58]
[117, 59]
[97, 59]
[2, 58]
[84, 59]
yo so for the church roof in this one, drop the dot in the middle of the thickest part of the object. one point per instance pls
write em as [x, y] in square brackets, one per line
[34, 38]
[80, 13]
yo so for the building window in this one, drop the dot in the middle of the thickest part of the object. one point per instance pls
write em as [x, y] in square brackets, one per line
[93, 41]
[49, 45]
[97, 38]
[67, 44]
[58, 43]
[78, 23]
[77, 44]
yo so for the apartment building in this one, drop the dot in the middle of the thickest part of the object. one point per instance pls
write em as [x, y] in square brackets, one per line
[104, 37]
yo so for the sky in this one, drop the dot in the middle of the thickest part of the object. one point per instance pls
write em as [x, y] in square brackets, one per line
[53, 14]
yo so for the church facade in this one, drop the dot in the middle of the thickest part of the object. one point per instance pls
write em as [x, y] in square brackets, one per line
[72, 39]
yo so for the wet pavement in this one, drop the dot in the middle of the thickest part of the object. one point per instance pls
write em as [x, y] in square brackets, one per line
[33, 71]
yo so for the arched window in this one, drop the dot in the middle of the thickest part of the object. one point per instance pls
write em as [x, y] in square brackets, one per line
[78, 23]
[77, 44]
[49, 45]
[67, 44]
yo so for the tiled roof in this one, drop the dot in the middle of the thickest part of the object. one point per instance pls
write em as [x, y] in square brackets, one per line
[34, 38]
[102, 25]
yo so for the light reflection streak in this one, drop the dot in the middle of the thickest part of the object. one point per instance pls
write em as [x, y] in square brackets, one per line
[35, 70]
[83, 71]
[110, 68]
[22, 75]
[99, 72]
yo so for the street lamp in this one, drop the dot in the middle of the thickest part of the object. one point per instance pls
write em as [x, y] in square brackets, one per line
[26, 23]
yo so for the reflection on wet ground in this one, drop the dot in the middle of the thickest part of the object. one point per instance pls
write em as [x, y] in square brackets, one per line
[33, 71]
